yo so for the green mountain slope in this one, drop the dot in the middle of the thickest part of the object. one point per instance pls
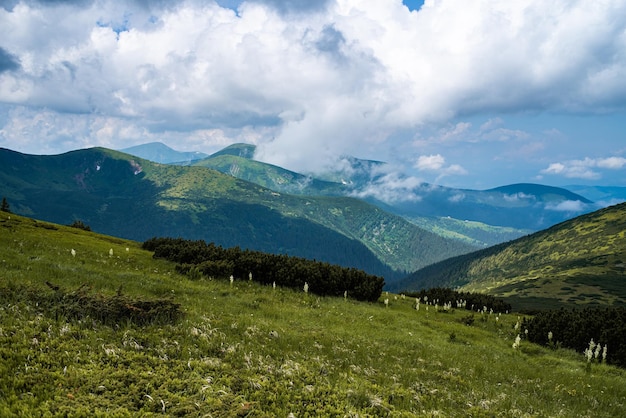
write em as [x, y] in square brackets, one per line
[581, 261]
[471, 232]
[125, 196]
[270, 176]
[517, 208]
[161, 153]
[251, 350]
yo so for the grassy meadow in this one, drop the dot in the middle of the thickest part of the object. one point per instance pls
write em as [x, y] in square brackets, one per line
[244, 349]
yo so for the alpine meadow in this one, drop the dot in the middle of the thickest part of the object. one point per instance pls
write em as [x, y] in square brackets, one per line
[93, 325]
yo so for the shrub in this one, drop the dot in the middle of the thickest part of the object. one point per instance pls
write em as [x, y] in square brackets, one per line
[81, 303]
[575, 328]
[80, 225]
[214, 261]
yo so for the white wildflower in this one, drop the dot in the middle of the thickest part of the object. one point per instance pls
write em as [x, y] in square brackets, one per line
[306, 287]
[250, 276]
[345, 294]
[232, 279]
[604, 350]
[517, 342]
[111, 252]
[550, 335]
[589, 351]
[274, 285]
[387, 303]
[597, 352]
[73, 252]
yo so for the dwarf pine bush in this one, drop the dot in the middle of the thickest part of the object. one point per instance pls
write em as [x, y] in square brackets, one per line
[576, 328]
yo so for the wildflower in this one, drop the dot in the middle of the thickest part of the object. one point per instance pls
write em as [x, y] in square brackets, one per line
[306, 287]
[73, 252]
[274, 285]
[517, 342]
[232, 279]
[417, 306]
[604, 350]
[250, 276]
[345, 294]
[550, 336]
[597, 352]
[387, 303]
[589, 351]
[127, 249]
[111, 252]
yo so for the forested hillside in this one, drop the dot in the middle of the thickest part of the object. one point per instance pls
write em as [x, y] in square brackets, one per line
[125, 196]
[580, 261]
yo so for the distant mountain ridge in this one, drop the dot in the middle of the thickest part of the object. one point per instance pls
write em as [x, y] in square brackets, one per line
[580, 261]
[161, 153]
[495, 215]
[523, 207]
[126, 196]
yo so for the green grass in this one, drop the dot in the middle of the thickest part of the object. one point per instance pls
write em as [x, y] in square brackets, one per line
[250, 350]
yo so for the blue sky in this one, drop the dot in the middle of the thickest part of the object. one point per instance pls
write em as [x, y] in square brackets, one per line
[464, 94]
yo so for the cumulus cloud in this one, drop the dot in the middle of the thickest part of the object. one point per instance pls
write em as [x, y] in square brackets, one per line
[437, 163]
[586, 168]
[307, 80]
[391, 187]
[430, 162]
[572, 206]
[517, 197]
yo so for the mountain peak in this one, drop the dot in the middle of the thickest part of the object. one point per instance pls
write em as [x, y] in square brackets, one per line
[161, 153]
[238, 150]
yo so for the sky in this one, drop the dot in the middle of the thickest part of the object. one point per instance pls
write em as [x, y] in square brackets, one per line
[469, 94]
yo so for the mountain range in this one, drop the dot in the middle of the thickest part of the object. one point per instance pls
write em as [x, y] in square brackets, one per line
[518, 209]
[161, 153]
[232, 199]
[126, 196]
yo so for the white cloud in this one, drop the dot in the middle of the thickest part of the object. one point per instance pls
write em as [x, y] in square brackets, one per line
[392, 187]
[306, 81]
[456, 198]
[612, 163]
[584, 169]
[437, 164]
[516, 197]
[430, 162]
[567, 206]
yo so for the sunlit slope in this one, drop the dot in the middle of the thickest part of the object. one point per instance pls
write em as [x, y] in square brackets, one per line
[581, 261]
[251, 350]
[125, 196]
